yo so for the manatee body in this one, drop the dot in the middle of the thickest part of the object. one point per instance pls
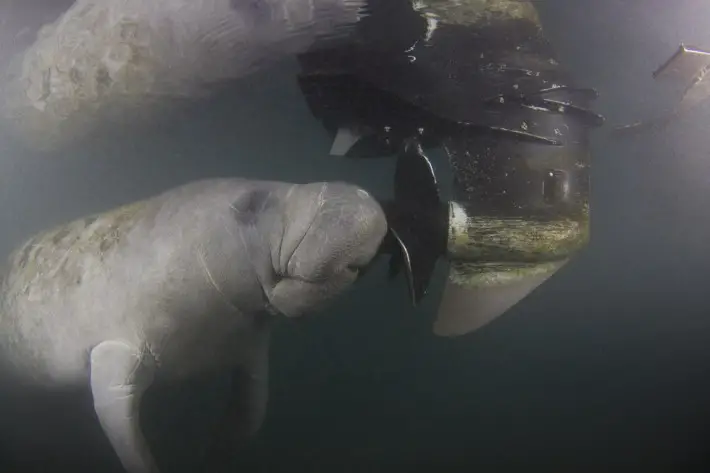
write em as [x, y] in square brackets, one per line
[120, 61]
[176, 285]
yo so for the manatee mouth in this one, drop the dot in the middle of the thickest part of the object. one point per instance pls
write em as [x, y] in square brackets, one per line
[358, 270]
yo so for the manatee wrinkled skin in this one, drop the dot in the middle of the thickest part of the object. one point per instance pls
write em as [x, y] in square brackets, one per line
[177, 285]
[118, 61]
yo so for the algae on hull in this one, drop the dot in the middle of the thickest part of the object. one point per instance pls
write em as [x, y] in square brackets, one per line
[513, 239]
[487, 275]
[471, 12]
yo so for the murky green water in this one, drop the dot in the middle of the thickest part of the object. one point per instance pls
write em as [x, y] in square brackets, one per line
[605, 367]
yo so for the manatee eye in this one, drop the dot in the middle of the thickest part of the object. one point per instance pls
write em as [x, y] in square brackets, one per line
[248, 207]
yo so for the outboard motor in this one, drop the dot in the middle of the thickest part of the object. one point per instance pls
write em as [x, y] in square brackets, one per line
[479, 79]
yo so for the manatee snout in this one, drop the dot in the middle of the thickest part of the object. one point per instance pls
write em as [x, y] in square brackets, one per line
[356, 227]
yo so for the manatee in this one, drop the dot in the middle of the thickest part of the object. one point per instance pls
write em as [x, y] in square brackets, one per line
[175, 285]
[126, 61]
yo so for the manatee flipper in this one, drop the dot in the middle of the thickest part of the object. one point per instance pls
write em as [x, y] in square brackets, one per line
[120, 375]
[248, 397]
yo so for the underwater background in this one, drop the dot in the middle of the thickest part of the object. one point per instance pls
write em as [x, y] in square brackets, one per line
[606, 367]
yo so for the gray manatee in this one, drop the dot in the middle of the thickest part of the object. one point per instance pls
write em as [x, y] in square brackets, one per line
[175, 285]
[121, 61]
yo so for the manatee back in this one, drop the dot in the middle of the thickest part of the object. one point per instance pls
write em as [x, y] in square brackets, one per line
[46, 334]
[156, 271]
